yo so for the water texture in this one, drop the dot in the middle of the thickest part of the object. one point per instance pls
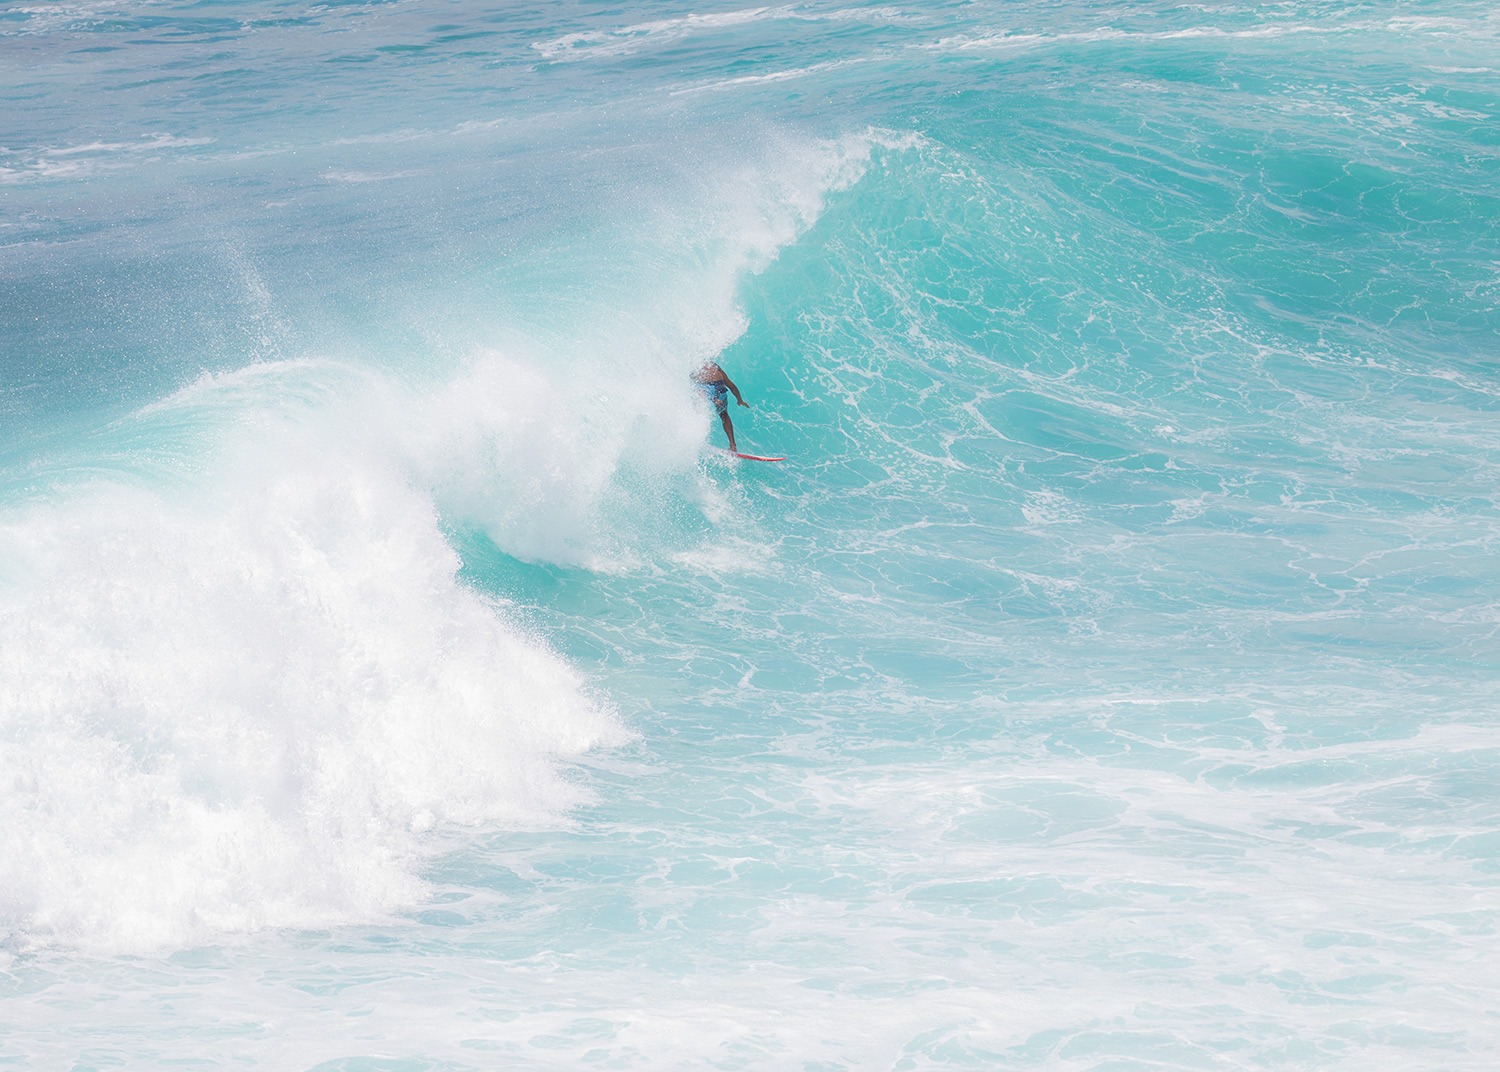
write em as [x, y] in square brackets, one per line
[395, 676]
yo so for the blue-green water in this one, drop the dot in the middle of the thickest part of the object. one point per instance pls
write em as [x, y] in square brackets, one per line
[394, 676]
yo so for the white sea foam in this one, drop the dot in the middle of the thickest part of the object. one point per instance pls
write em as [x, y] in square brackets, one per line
[1003, 40]
[235, 713]
[629, 38]
[726, 557]
[74, 161]
[240, 700]
[595, 44]
[1009, 39]
[759, 79]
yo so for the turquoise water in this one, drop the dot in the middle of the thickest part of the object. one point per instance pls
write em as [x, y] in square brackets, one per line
[393, 676]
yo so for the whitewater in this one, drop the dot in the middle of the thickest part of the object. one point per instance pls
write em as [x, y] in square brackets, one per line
[395, 675]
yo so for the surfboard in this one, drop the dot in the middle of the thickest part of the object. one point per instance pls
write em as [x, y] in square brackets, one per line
[752, 457]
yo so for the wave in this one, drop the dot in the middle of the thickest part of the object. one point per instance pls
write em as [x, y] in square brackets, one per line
[241, 680]
[1012, 39]
[239, 709]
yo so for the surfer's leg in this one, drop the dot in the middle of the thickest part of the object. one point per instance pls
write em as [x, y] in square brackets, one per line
[721, 405]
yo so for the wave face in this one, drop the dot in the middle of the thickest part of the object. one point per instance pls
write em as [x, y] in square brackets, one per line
[1107, 678]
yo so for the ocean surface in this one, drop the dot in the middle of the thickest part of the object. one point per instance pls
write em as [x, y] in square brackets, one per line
[396, 676]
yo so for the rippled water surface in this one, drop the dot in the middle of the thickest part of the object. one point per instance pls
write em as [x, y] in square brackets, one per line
[395, 675]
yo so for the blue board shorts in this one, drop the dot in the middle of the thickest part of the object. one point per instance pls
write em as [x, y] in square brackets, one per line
[718, 394]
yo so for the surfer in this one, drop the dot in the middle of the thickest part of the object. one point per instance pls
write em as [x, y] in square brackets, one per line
[710, 379]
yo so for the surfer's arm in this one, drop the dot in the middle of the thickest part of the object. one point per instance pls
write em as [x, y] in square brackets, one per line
[736, 391]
